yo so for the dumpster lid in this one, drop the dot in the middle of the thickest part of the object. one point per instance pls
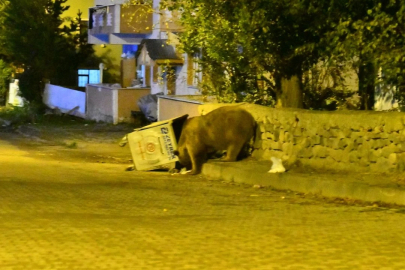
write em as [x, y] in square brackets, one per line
[156, 124]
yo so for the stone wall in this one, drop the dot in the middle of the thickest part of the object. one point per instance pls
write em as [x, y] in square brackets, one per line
[339, 140]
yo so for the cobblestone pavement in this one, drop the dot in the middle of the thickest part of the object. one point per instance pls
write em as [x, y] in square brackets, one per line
[137, 220]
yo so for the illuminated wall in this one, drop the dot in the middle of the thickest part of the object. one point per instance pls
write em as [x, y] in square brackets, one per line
[112, 52]
[75, 5]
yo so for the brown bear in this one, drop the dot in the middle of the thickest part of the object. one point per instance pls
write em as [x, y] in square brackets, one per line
[228, 128]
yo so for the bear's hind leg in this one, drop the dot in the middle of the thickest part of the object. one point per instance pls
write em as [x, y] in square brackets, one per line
[233, 151]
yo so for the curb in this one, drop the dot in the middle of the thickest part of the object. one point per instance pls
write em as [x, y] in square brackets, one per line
[355, 186]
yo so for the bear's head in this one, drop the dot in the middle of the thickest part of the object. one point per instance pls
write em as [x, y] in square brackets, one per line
[184, 157]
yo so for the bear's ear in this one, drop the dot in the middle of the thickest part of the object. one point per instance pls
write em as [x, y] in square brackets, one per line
[176, 152]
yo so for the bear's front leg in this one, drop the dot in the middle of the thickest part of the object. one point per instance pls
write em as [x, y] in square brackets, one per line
[197, 160]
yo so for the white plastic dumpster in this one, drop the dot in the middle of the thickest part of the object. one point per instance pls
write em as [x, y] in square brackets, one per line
[153, 146]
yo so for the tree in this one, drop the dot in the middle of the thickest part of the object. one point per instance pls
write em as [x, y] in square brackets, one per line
[33, 36]
[367, 35]
[251, 42]
[271, 43]
[5, 73]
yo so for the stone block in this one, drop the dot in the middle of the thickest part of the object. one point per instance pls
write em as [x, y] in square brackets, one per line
[288, 136]
[363, 150]
[364, 161]
[315, 140]
[266, 144]
[372, 156]
[305, 143]
[392, 148]
[366, 129]
[277, 124]
[322, 141]
[371, 136]
[386, 142]
[320, 151]
[345, 155]
[382, 165]
[394, 137]
[353, 157]
[378, 153]
[297, 132]
[275, 145]
[335, 143]
[401, 162]
[281, 136]
[401, 138]
[305, 153]
[294, 152]
[384, 162]
[262, 127]
[393, 158]
[344, 133]
[270, 153]
[269, 127]
[343, 142]
[258, 144]
[384, 135]
[351, 145]
[401, 147]
[357, 134]
[269, 136]
[258, 153]
[393, 125]
[378, 129]
[334, 133]
[267, 154]
[336, 155]
[297, 140]
[276, 134]
[319, 131]
[327, 134]
[287, 148]
[377, 144]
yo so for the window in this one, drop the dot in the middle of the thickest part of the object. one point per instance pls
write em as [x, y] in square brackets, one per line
[86, 76]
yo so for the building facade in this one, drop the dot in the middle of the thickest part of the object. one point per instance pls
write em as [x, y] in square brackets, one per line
[156, 62]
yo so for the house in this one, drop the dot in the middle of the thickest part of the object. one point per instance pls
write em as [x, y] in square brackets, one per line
[156, 66]
[69, 97]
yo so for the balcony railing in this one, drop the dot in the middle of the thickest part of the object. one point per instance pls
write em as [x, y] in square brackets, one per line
[121, 19]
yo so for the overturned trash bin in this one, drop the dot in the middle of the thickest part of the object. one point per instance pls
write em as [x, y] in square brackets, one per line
[152, 147]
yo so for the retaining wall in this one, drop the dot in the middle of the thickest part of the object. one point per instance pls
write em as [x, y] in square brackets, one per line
[339, 140]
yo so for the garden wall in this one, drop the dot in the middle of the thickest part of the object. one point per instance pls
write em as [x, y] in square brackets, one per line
[340, 140]
[65, 99]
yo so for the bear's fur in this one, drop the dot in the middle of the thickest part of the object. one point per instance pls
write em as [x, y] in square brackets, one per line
[228, 128]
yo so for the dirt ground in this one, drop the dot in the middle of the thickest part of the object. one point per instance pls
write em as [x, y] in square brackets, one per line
[71, 139]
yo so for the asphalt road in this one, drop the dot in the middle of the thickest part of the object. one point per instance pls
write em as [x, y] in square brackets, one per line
[66, 208]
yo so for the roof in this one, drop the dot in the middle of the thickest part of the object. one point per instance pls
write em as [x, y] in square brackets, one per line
[158, 49]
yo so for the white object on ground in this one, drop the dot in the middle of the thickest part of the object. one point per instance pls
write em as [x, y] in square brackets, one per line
[277, 166]
[184, 171]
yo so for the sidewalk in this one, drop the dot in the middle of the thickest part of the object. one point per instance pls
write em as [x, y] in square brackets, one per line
[385, 188]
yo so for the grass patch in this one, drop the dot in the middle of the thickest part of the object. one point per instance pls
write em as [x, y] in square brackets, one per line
[16, 115]
[64, 129]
